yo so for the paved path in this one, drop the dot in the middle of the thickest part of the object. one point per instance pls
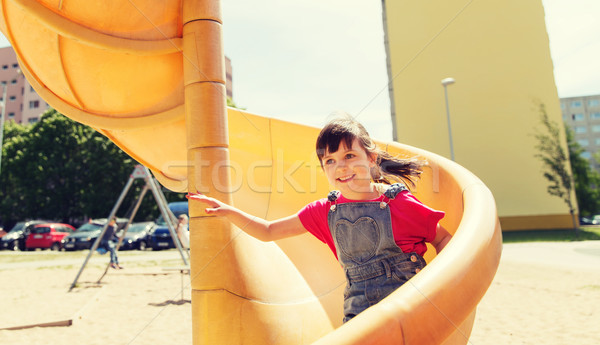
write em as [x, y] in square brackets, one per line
[583, 254]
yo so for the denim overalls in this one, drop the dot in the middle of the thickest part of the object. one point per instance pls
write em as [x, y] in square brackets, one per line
[375, 266]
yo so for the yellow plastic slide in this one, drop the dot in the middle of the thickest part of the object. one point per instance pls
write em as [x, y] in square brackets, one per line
[149, 75]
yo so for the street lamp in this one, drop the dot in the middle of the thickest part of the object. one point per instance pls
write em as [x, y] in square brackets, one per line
[445, 83]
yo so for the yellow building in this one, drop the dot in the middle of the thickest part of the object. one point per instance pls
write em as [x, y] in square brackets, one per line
[498, 53]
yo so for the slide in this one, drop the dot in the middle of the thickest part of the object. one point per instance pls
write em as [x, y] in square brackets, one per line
[119, 68]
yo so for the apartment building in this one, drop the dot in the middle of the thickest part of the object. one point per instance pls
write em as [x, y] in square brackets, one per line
[582, 115]
[23, 104]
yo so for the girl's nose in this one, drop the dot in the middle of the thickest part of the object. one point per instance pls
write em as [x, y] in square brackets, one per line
[341, 165]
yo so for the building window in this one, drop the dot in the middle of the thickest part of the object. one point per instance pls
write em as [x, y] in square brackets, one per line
[15, 65]
[595, 116]
[14, 81]
[582, 129]
[11, 114]
[583, 142]
[565, 117]
[577, 117]
[33, 120]
[576, 104]
[597, 141]
[34, 104]
[12, 98]
[31, 89]
[594, 102]
[4, 66]
[562, 106]
[596, 128]
[586, 155]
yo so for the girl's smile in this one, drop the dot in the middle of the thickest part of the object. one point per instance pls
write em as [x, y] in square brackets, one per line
[346, 178]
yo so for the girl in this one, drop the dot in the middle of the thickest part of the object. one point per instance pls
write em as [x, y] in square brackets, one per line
[376, 229]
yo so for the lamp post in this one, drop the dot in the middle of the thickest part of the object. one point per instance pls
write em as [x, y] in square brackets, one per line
[445, 83]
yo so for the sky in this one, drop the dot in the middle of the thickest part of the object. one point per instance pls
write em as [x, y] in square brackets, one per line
[302, 60]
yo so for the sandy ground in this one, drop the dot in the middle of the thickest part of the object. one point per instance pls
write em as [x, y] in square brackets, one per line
[141, 304]
[543, 293]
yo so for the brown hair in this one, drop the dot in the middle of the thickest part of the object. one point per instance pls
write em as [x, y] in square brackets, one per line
[388, 169]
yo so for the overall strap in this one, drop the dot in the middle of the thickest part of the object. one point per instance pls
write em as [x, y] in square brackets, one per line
[332, 198]
[333, 195]
[394, 190]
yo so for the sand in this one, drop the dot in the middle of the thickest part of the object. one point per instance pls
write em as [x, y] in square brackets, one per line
[141, 304]
[543, 293]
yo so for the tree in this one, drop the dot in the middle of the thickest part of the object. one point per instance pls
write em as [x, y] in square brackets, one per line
[58, 169]
[555, 162]
[231, 103]
[586, 178]
[10, 186]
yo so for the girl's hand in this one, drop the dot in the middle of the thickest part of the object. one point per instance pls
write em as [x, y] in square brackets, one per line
[216, 207]
[254, 226]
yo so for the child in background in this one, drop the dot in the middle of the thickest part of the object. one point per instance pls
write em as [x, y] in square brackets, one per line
[373, 224]
[109, 243]
[183, 231]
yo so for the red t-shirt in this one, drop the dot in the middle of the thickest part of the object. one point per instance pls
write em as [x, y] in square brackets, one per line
[413, 223]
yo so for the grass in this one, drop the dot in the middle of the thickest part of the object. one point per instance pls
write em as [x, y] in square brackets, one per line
[591, 233]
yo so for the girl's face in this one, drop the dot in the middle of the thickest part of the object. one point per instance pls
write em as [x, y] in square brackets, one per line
[349, 170]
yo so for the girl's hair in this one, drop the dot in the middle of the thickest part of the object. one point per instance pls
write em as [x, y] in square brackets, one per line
[388, 169]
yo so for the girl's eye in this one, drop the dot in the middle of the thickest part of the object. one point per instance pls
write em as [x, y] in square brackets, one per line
[329, 161]
[350, 156]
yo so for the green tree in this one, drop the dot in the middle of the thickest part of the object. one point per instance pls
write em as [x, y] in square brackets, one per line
[63, 170]
[58, 169]
[231, 103]
[555, 162]
[586, 179]
[10, 186]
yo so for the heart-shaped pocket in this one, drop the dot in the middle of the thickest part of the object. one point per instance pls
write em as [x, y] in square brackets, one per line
[357, 240]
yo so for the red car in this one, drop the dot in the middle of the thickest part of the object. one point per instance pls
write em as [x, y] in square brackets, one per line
[48, 235]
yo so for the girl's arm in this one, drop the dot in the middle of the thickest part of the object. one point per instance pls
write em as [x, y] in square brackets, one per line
[254, 226]
[442, 238]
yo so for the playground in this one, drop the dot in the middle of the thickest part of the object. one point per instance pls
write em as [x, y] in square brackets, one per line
[152, 80]
[526, 303]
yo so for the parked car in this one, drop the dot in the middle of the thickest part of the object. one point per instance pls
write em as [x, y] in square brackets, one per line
[48, 235]
[587, 221]
[138, 236]
[15, 238]
[161, 237]
[85, 235]
[591, 220]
